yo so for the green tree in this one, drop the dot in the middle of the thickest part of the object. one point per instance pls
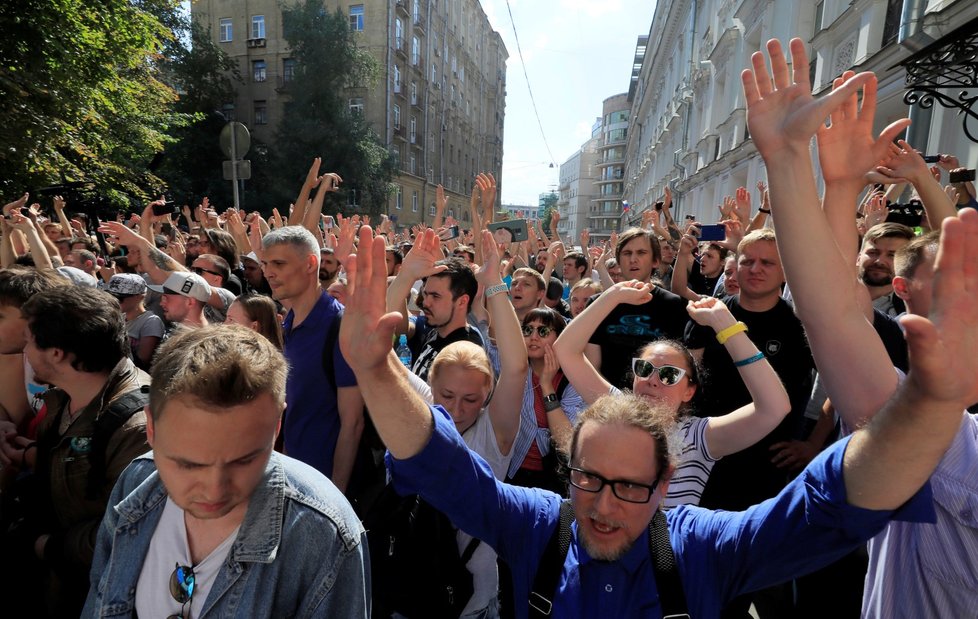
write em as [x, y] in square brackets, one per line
[548, 204]
[317, 120]
[82, 94]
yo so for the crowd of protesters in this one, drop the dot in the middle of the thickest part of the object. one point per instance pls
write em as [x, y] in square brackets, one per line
[195, 405]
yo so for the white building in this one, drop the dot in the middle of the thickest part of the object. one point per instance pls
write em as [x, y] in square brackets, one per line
[688, 118]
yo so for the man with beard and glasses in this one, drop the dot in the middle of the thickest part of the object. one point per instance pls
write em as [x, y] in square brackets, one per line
[621, 465]
[875, 264]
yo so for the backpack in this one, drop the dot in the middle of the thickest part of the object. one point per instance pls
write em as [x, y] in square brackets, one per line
[415, 566]
[369, 475]
[667, 581]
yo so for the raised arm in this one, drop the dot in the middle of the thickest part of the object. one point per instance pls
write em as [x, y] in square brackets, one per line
[748, 424]
[571, 344]
[684, 264]
[504, 407]
[417, 264]
[42, 261]
[853, 363]
[401, 417]
[904, 162]
[312, 181]
[915, 427]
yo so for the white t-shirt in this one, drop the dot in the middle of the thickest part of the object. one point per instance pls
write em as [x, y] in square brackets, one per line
[146, 324]
[480, 438]
[167, 549]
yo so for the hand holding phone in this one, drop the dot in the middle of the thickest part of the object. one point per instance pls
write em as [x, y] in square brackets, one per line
[712, 232]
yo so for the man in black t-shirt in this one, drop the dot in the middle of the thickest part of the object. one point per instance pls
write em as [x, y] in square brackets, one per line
[748, 477]
[630, 327]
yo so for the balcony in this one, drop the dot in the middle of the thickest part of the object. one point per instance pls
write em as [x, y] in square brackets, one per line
[399, 132]
[256, 42]
[402, 7]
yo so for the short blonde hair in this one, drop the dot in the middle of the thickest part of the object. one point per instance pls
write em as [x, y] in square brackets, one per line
[762, 234]
[587, 282]
[466, 355]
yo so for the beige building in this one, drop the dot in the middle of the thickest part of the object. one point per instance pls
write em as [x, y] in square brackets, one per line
[439, 104]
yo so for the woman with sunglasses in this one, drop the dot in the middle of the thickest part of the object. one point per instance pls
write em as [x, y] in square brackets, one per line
[550, 405]
[665, 373]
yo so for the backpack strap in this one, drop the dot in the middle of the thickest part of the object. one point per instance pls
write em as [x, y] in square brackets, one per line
[469, 550]
[668, 583]
[106, 424]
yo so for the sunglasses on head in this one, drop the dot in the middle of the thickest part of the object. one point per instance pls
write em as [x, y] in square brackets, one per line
[542, 331]
[182, 582]
[669, 375]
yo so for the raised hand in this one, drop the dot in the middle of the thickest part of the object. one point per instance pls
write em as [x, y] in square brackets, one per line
[742, 205]
[16, 204]
[367, 332]
[734, 233]
[550, 365]
[277, 219]
[875, 210]
[781, 112]
[847, 149]
[632, 292]
[904, 163]
[712, 312]
[488, 272]
[123, 234]
[727, 209]
[942, 361]
[585, 239]
[487, 191]
[420, 261]
[344, 242]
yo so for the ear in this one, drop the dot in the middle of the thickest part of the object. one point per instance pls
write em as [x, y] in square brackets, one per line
[901, 286]
[312, 264]
[690, 392]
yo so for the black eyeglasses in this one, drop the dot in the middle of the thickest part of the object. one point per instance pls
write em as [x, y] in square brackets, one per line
[182, 582]
[669, 375]
[201, 271]
[542, 331]
[628, 491]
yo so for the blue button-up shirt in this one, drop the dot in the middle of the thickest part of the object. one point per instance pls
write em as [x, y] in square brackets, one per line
[720, 554]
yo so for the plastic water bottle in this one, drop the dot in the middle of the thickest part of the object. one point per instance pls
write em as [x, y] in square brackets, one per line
[403, 352]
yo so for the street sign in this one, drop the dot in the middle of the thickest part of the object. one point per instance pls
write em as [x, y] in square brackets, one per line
[235, 140]
[242, 167]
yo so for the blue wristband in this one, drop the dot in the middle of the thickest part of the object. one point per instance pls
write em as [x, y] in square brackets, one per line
[749, 360]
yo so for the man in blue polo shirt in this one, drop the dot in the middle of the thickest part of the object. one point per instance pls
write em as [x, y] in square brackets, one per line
[322, 426]
[620, 469]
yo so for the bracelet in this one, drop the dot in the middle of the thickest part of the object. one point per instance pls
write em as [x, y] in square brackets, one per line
[749, 360]
[766, 211]
[492, 290]
[725, 334]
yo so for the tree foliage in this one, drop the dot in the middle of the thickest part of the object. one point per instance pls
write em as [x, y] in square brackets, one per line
[317, 120]
[548, 204]
[83, 94]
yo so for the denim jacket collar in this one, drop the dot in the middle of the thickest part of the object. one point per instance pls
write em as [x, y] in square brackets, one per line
[261, 531]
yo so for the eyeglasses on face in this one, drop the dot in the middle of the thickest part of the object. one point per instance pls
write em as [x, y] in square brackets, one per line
[628, 491]
[202, 270]
[542, 330]
[669, 375]
[182, 582]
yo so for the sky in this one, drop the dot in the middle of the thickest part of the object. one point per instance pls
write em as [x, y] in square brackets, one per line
[577, 54]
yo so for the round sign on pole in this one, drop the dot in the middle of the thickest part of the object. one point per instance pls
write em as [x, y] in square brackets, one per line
[235, 145]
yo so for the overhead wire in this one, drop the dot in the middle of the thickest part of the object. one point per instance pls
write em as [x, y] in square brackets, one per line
[533, 102]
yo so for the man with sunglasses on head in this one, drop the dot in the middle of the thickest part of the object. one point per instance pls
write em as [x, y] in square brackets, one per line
[621, 466]
[214, 522]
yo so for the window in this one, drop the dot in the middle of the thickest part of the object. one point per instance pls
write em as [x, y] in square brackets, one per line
[415, 50]
[356, 18]
[819, 13]
[258, 70]
[414, 93]
[226, 30]
[397, 116]
[261, 113]
[288, 69]
[413, 129]
[431, 210]
[434, 73]
[413, 165]
[397, 79]
[398, 33]
[414, 202]
[454, 65]
[398, 198]
[356, 106]
[228, 111]
[257, 26]
[416, 8]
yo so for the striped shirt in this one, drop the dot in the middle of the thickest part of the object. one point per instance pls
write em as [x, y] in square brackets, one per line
[931, 569]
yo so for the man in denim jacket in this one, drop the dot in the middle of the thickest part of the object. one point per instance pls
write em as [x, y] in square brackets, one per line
[213, 523]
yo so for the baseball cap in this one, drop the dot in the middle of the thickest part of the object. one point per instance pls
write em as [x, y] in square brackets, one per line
[126, 284]
[186, 284]
[77, 276]
[251, 256]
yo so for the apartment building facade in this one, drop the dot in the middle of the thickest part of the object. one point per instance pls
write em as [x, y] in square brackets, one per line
[439, 104]
[689, 120]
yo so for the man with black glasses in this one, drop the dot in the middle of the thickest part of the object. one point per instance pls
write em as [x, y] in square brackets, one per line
[623, 466]
[214, 522]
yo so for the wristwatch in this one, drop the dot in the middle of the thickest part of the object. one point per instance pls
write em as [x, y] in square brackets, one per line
[551, 402]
